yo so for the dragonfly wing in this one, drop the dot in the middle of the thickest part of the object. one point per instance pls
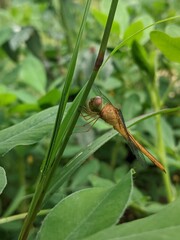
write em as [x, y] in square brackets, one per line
[132, 146]
[136, 152]
[98, 92]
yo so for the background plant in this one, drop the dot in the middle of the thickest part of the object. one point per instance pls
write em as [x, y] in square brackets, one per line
[36, 48]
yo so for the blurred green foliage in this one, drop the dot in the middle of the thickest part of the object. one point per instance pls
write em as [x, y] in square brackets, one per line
[36, 43]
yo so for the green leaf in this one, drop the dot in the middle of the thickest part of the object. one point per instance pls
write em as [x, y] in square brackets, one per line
[20, 37]
[25, 108]
[169, 46]
[163, 225]
[3, 179]
[81, 176]
[25, 96]
[6, 99]
[86, 212]
[34, 44]
[32, 73]
[50, 99]
[132, 29]
[28, 131]
[173, 29]
[121, 16]
[13, 54]
[102, 18]
[5, 35]
[100, 182]
[17, 200]
[142, 58]
[168, 134]
[131, 106]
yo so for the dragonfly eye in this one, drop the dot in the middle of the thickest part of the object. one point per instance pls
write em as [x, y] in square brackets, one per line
[95, 104]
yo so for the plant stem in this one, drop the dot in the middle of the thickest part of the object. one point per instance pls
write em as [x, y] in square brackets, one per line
[160, 143]
[49, 166]
[162, 155]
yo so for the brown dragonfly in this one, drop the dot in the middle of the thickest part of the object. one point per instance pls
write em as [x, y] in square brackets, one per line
[95, 109]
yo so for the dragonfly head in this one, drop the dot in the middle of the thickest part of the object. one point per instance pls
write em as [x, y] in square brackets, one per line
[95, 104]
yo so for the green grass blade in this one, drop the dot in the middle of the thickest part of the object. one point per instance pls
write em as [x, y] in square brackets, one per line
[125, 41]
[50, 162]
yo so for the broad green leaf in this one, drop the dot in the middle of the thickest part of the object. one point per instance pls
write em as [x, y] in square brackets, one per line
[28, 131]
[34, 44]
[163, 225]
[168, 134]
[50, 99]
[121, 15]
[131, 106]
[32, 73]
[173, 30]
[102, 18]
[132, 29]
[147, 20]
[20, 37]
[25, 96]
[5, 35]
[25, 108]
[169, 46]
[100, 182]
[13, 54]
[86, 212]
[3, 179]
[81, 176]
[110, 83]
[6, 99]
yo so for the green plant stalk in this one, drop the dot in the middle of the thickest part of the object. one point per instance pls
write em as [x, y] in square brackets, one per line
[43, 181]
[21, 216]
[89, 84]
[64, 97]
[163, 157]
[45, 178]
[152, 86]
[160, 143]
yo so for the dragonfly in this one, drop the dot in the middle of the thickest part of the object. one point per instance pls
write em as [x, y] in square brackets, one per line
[96, 109]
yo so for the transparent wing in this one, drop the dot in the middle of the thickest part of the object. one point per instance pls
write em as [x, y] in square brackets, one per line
[98, 92]
[134, 149]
